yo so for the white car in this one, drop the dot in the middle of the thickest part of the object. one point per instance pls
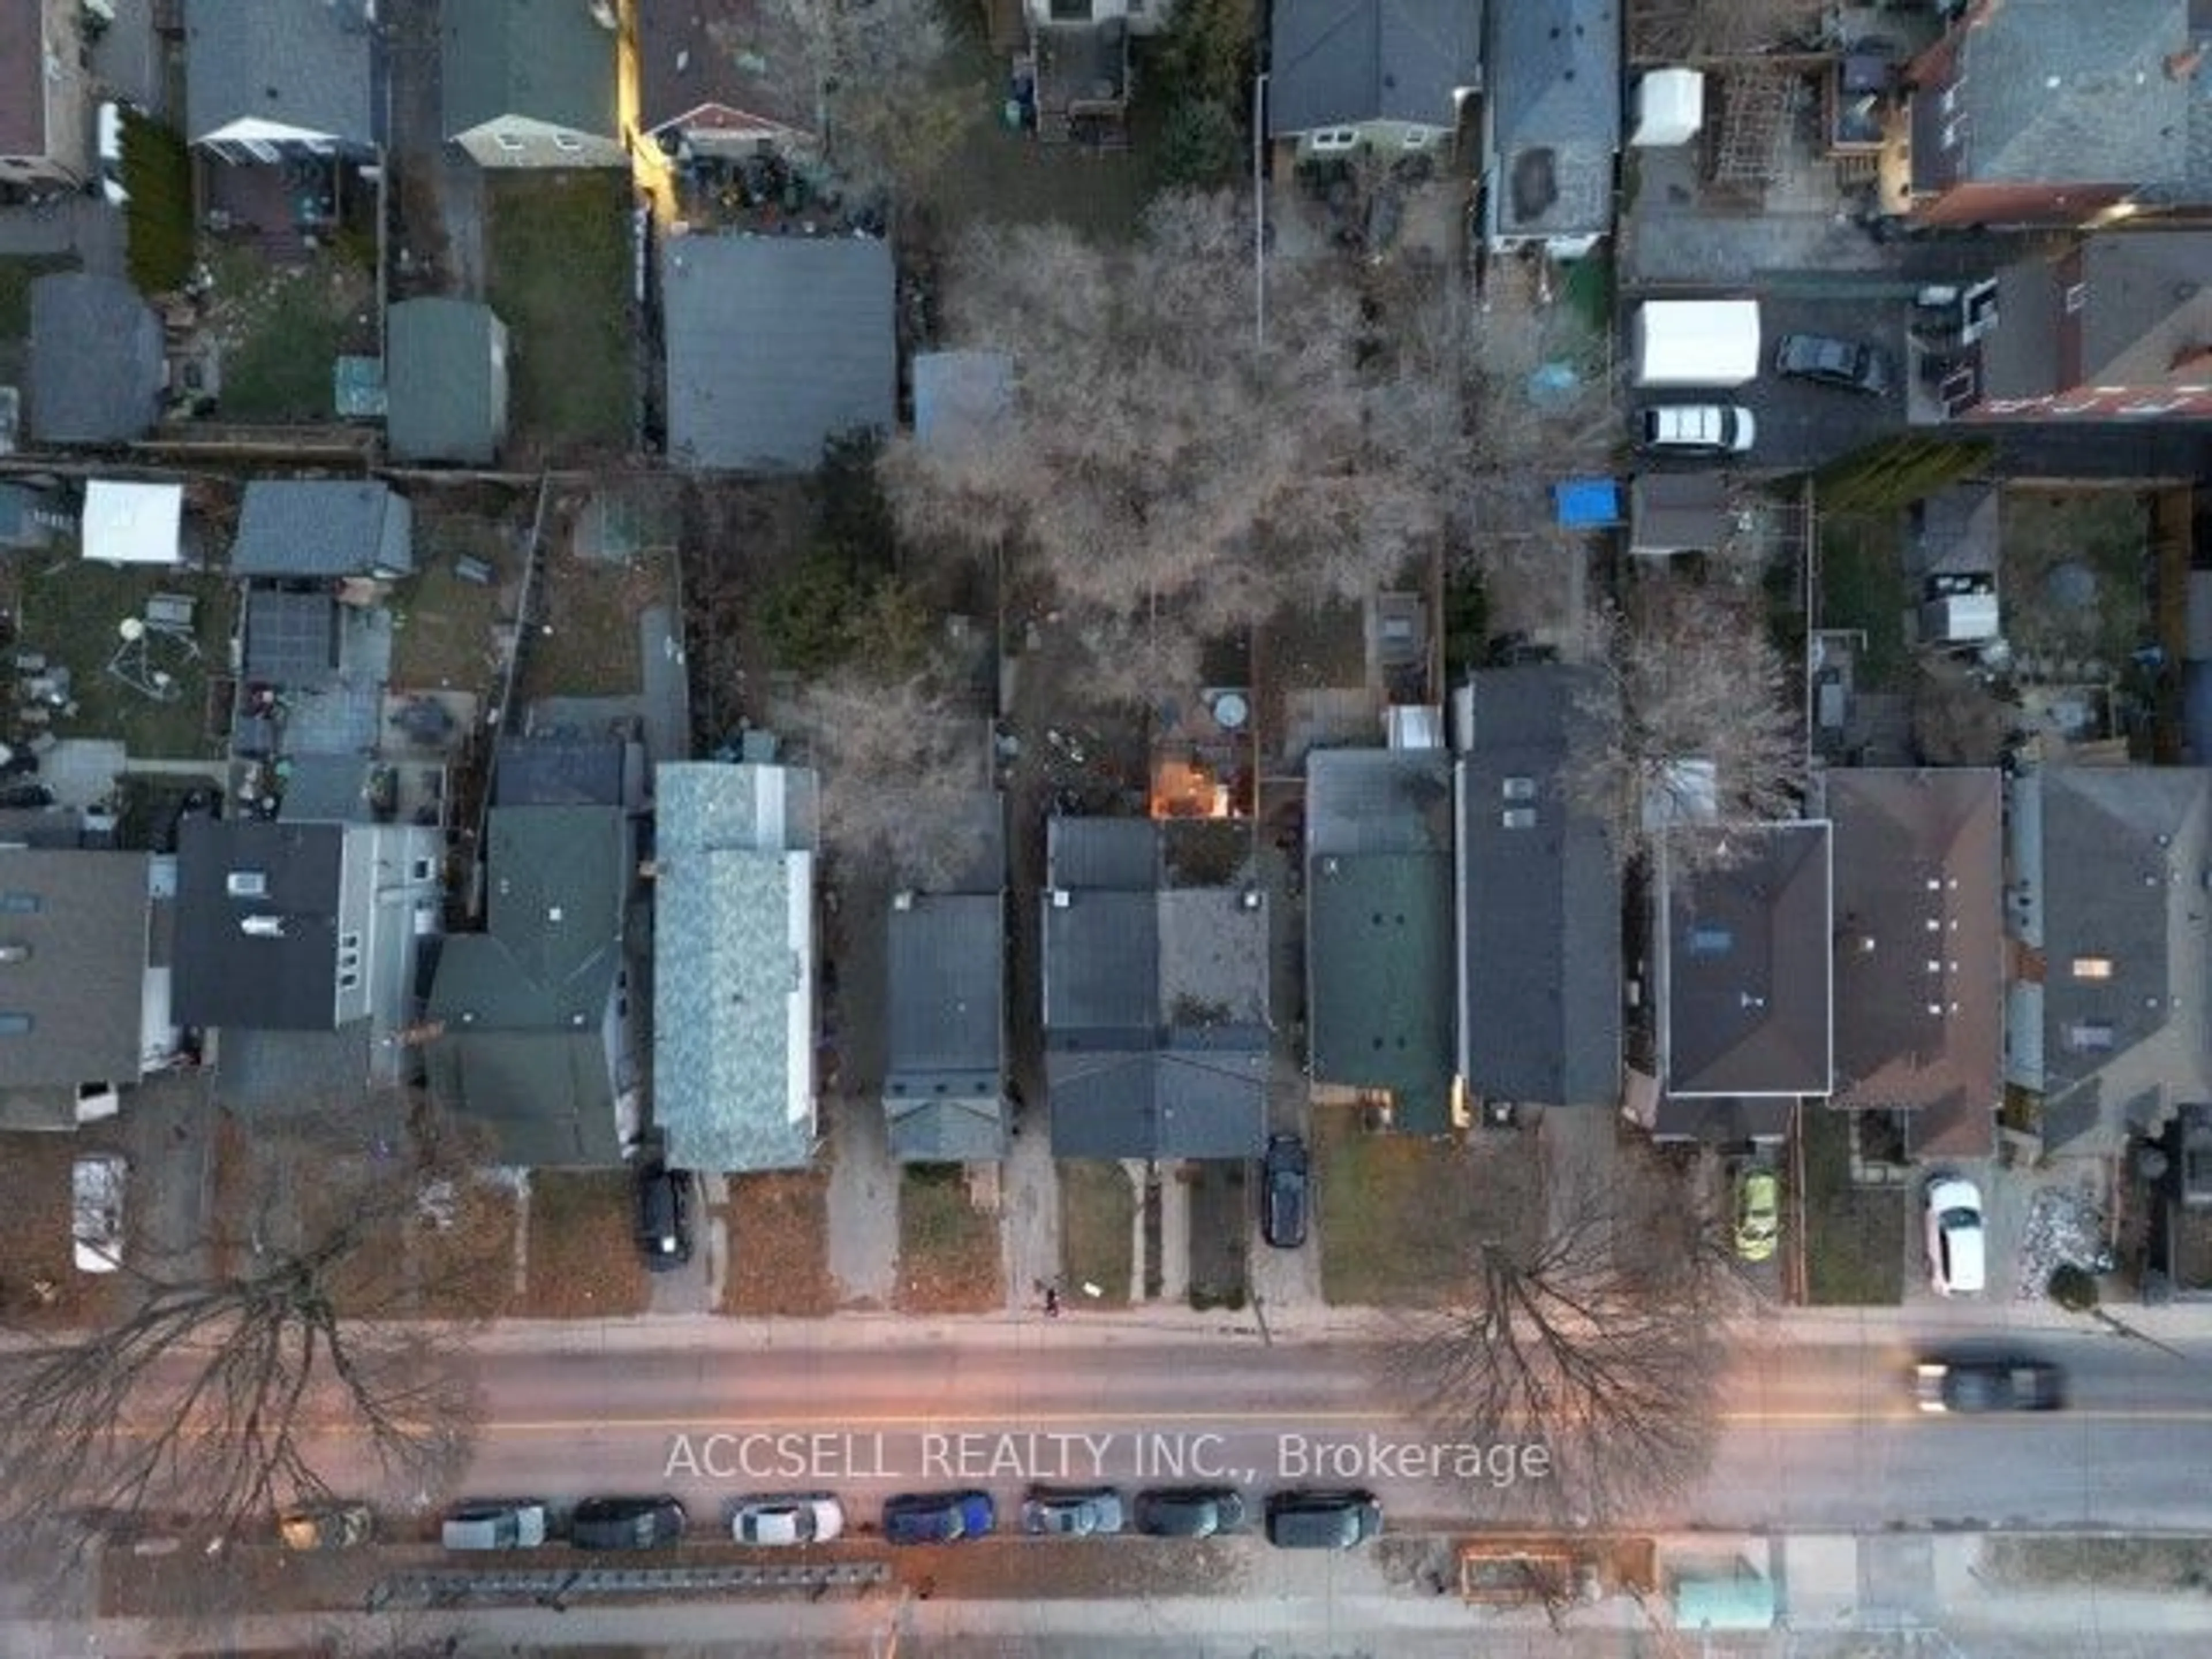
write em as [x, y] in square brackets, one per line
[786, 1519]
[1697, 428]
[96, 1210]
[1956, 1247]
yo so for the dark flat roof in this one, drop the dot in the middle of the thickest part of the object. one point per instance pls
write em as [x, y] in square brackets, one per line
[261, 950]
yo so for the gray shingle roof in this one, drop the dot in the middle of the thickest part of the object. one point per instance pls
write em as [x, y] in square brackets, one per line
[1155, 1002]
[280, 974]
[1379, 926]
[313, 64]
[1554, 116]
[945, 981]
[1539, 902]
[546, 60]
[733, 965]
[775, 344]
[23, 82]
[1745, 966]
[74, 930]
[445, 379]
[703, 57]
[96, 361]
[291, 639]
[322, 527]
[2056, 92]
[524, 1004]
[1335, 63]
[563, 770]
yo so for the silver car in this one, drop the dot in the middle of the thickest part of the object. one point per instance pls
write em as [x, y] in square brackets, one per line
[1072, 1512]
[786, 1519]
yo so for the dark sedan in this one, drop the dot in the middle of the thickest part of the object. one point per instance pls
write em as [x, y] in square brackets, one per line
[1850, 364]
[938, 1517]
[1188, 1511]
[1989, 1385]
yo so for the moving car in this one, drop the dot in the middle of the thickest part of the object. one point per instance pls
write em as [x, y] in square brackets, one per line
[786, 1519]
[663, 1216]
[626, 1523]
[495, 1523]
[96, 1210]
[1313, 1520]
[1955, 1243]
[327, 1526]
[1758, 1214]
[938, 1517]
[107, 133]
[1072, 1512]
[1989, 1385]
[1697, 428]
[1188, 1511]
[1822, 358]
[1283, 1193]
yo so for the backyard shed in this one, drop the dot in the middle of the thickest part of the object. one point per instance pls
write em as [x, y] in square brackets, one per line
[133, 523]
[446, 382]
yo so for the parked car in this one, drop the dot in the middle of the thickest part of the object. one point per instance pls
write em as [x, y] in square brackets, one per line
[626, 1523]
[663, 1216]
[1697, 428]
[1283, 1193]
[1851, 364]
[1072, 1512]
[495, 1523]
[107, 133]
[1989, 1385]
[938, 1517]
[1188, 1511]
[1758, 1214]
[96, 1210]
[1955, 1243]
[786, 1519]
[325, 1526]
[1313, 1520]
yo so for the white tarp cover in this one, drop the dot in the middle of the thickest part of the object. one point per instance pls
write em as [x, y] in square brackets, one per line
[133, 523]
[1670, 107]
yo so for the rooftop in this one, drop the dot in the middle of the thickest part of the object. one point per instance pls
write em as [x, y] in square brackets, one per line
[97, 367]
[74, 932]
[446, 385]
[943, 1088]
[716, 63]
[543, 60]
[258, 908]
[322, 528]
[1339, 62]
[1553, 100]
[282, 68]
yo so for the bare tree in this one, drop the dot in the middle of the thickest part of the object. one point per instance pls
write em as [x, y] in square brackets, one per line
[893, 106]
[240, 1367]
[1694, 718]
[1594, 1321]
[1675, 30]
[901, 765]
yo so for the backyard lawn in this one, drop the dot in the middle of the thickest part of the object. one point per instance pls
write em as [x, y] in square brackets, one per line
[2073, 576]
[446, 626]
[949, 1259]
[1854, 1237]
[1098, 1208]
[584, 642]
[69, 610]
[283, 328]
[561, 259]
[1864, 587]
[1395, 1210]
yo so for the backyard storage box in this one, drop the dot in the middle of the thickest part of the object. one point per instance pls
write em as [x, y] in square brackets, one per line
[1694, 342]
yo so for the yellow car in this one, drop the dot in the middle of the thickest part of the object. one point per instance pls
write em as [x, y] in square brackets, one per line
[1758, 1214]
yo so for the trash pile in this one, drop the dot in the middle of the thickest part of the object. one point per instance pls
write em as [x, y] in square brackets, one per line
[2065, 1228]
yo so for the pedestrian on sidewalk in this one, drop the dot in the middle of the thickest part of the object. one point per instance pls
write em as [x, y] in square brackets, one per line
[1052, 1302]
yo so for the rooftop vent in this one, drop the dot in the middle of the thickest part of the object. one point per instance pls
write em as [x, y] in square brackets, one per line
[262, 926]
[247, 883]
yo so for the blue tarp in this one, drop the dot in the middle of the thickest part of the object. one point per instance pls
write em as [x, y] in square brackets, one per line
[1587, 503]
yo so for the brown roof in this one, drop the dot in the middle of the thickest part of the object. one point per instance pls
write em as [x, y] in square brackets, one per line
[1919, 943]
[719, 63]
[22, 79]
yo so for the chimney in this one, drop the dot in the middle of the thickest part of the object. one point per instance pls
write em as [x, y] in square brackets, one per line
[2182, 65]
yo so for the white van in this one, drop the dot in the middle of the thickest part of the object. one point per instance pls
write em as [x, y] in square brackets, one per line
[1697, 428]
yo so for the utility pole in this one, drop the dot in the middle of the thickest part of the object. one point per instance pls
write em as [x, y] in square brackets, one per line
[1260, 208]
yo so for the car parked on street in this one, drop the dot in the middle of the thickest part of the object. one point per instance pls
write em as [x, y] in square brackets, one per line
[1283, 1192]
[1823, 359]
[1072, 1512]
[96, 1182]
[626, 1523]
[1188, 1511]
[786, 1519]
[1989, 1385]
[1758, 1214]
[495, 1523]
[663, 1216]
[1306, 1519]
[333, 1525]
[1696, 428]
[938, 1517]
[1957, 1248]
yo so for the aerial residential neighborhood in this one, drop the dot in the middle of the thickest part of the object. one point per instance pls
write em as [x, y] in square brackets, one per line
[1067, 827]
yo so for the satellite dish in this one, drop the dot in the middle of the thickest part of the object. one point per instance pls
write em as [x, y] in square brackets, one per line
[1231, 711]
[131, 628]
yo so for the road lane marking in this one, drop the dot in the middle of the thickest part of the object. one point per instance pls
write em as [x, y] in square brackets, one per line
[1283, 1421]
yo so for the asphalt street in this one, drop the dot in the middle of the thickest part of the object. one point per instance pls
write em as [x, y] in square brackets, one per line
[1819, 1434]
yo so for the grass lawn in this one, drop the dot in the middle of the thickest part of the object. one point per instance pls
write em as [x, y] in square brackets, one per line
[2099, 539]
[283, 328]
[17, 273]
[1392, 1208]
[1854, 1237]
[69, 610]
[444, 625]
[560, 276]
[1863, 586]
[592, 608]
[1221, 1205]
[949, 1259]
[1098, 1208]
[583, 1258]
[779, 1227]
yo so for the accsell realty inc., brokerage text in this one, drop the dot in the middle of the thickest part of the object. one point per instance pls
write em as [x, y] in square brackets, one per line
[829, 1458]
